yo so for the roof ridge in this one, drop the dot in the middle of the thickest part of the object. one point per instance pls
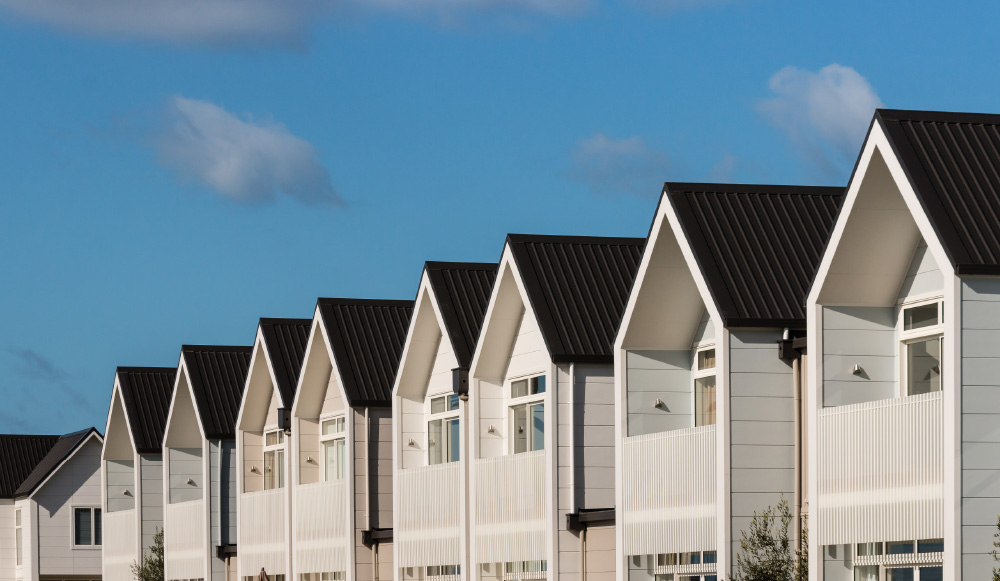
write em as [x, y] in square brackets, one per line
[284, 321]
[937, 116]
[442, 265]
[570, 239]
[230, 348]
[137, 369]
[26, 436]
[364, 302]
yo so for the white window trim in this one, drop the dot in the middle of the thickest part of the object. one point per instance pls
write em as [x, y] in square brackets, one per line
[513, 402]
[72, 535]
[697, 374]
[445, 415]
[280, 446]
[906, 338]
[329, 438]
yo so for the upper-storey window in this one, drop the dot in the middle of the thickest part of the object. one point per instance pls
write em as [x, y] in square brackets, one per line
[527, 414]
[921, 329]
[704, 386]
[18, 539]
[333, 446]
[274, 459]
[443, 430]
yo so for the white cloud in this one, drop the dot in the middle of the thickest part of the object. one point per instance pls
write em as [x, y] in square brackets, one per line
[619, 166]
[724, 169]
[244, 160]
[824, 113]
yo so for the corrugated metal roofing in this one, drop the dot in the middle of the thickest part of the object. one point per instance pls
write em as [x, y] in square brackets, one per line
[19, 455]
[367, 338]
[285, 341]
[60, 450]
[953, 163]
[218, 375]
[463, 295]
[758, 246]
[146, 394]
[577, 287]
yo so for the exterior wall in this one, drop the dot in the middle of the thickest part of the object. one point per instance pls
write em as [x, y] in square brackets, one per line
[837, 563]
[923, 276]
[762, 436]
[151, 481]
[663, 375]
[185, 464]
[600, 554]
[373, 487]
[362, 468]
[222, 506]
[415, 412]
[76, 484]
[120, 482]
[865, 336]
[8, 558]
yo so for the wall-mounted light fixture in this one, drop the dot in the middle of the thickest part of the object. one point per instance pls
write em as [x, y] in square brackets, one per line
[190, 481]
[412, 442]
[658, 404]
[254, 470]
[492, 429]
[857, 369]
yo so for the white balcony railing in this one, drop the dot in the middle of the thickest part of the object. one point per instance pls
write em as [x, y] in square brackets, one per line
[880, 470]
[184, 548]
[512, 508]
[321, 527]
[669, 491]
[429, 523]
[121, 548]
[262, 531]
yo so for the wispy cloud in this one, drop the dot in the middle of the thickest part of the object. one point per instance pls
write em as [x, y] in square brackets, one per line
[34, 365]
[824, 113]
[244, 160]
[725, 169]
[49, 382]
[619, 166]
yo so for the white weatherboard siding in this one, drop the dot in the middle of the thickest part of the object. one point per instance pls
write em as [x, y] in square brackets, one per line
[184, 544]
[7, 555]
[373, 486]
[120, 480]
[321, 527]
[262, 532]
[119, 545]
[864, 336]
[429, 524]
[512, 508]
[880, 471]
[670, 514]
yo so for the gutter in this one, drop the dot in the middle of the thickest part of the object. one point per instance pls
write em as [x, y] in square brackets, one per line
[585, 518]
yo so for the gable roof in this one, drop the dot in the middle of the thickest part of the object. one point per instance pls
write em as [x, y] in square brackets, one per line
[218, 375]
[953, 163]
[758, 246]
[61, 449]
[146, 393]
[578, 287]
[19, 455]
[463, 292]
[285, 341]
[366, 337]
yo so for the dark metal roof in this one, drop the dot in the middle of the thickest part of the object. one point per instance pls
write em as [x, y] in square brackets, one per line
[758, 246]
[463, 292]
[367, 338]
[578, 287]
[953, 163]
[59, 451]
[218, 375]
[146, 394]
[285, 341]
[18, 457]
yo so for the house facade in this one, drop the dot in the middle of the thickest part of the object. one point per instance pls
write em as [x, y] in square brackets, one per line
[50, 507]
[199, 464]
[132, 466]
[541, 410]
[430, 531]
[342, 441]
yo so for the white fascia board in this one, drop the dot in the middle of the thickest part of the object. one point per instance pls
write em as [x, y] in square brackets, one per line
[79, 446]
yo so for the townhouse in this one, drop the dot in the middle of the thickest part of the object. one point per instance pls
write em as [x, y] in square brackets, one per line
[708, 407]
[342, 441]
[263, 429]
[132, 466]
[904, 431]
[430, 421]
[541, 409]
[50, 507]
[199, 463]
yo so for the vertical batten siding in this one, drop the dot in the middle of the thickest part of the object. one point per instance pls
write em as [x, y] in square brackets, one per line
[184, 540]
[512, 508]
[668, 512]
[429, 527]
[119, 545]
[262, 532]
[321, 527]
[880, 471]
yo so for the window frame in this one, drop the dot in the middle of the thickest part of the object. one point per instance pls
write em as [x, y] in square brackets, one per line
[444, 417]
[19, 538]
[697, 374]
[884, 561]
[907, 338]
[94, 545]
[529, 401]
[329, 438]
[282, 447]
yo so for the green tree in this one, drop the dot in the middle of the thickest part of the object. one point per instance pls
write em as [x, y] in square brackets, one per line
[151, 568]
[766, 552]
[996, 545]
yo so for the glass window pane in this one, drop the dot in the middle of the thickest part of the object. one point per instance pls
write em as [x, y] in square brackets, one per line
[538, 427]
[341, 447]
[334, 426]
[869, 549]
[333, 459]
[17, 518]
[920, 317]
[97, 526]
[453, 440]
[519, 388]
[435, 442]
[280, 468]
[271, 438]
[452, 402]
[437, 405]
[704, 401]
[930, 546]
[269, 474]
[538, 384]
[923, 366]
[709, 557]
[899, 548]
[869, 573]
[931, 573]
[899, 574]
[519, 428]
[19, 546]
[706, 359]
[81, 526]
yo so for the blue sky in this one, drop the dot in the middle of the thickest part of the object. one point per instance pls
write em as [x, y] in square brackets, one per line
[171, 175]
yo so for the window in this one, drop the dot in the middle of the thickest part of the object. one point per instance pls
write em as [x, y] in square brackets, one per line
[270, 577]
[274, 459]
[704, 387]
[525, 569]
[918, 560]
[693, 566]
[921, 327]
[328, 576]
[18, 538]
[443, 430]
[527, 415]
[87, 527]
[443, 571]
[333, 446]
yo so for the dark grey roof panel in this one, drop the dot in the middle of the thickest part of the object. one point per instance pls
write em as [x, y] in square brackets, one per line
[285, 341]
[578, 287]
[463, 295]
[146, 394]
[953, 163]
[758, 246]
[218, 375]
[60, 450]
[19, 455]
[367, 338]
